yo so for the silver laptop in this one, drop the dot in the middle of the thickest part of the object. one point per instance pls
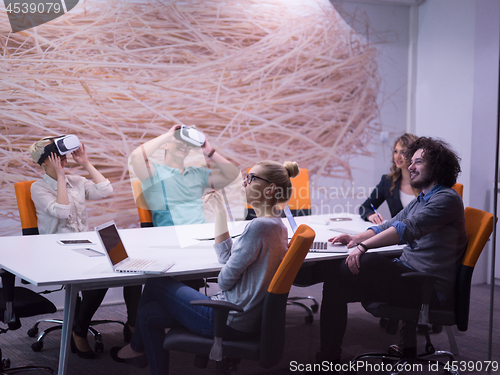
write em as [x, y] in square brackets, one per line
[317, 246]
[118, 257]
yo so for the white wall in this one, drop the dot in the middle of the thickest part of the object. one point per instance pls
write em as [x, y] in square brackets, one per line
[457, 90]
[386, 26]
[445, 75]
[485, 114]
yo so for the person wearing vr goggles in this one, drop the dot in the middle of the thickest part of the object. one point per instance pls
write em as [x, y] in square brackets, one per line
[59, 200]
[171, 190]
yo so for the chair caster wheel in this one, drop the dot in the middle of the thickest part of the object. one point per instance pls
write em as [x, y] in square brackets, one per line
[314, 308]
[395, 350]
[98, 347]
[5, 363]
[436, 328]
[37, 346]
[309, 319]
[32, 332]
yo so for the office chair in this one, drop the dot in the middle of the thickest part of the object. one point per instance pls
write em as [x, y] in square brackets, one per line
[29, 223]
[268, 348]
[15, 303]
[479, 225]
[300, 205]
[145, 216]
[392, 326]
[459, 188]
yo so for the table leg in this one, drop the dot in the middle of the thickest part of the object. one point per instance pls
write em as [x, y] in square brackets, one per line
[69, 312]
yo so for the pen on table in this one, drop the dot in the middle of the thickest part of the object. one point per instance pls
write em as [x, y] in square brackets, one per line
[374, 210]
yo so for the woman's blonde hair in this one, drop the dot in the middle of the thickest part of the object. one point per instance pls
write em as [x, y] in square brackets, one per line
[36, 149]
[280, 175]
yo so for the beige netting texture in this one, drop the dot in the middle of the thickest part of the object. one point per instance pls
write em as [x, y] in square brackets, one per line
[262, 81]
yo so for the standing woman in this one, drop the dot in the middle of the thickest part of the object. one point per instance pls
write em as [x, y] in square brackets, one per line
[60, 207]
[393, 187]
[249, 266]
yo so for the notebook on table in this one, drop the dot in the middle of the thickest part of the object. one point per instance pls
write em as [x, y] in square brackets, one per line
[317, 246]
[118, 257]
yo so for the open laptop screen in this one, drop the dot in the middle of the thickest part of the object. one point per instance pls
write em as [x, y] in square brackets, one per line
[112, 243]
[290, 218]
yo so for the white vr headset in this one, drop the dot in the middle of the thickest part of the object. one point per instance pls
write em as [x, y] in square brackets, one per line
[62, 145]
[190, 136]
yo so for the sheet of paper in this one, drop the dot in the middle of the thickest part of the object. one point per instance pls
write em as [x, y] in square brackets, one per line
[87, 251]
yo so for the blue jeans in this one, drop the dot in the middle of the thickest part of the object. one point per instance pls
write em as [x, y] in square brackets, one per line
[165, 303]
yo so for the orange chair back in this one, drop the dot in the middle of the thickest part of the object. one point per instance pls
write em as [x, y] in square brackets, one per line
[145, 216]
[26, 207]
[479, 226]
[300, 200]
[298, 248]
[459, 188]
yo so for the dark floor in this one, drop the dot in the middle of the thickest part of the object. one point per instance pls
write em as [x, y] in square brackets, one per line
[302, 341]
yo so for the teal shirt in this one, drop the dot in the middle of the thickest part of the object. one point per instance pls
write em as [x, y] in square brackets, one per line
[174, 198]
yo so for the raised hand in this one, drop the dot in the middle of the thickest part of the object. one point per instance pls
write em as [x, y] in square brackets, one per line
[80, 155]
[215, 201]
[206, 148]
[55, 160]
[169, 135]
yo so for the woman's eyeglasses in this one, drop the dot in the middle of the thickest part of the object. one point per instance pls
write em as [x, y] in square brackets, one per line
[251, 177]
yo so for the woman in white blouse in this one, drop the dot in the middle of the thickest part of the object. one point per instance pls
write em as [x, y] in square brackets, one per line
[59, 200]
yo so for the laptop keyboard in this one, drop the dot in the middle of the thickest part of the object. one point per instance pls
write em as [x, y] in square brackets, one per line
[138, 264]
[317, 245]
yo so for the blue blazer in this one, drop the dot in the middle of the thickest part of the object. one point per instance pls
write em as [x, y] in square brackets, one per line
[381, 194]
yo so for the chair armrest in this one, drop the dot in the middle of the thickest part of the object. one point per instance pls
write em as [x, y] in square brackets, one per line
[221, 311]
[217, 305]
[426, 281]
[422, 275]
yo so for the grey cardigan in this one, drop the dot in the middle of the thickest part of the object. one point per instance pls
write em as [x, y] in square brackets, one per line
[249, 266]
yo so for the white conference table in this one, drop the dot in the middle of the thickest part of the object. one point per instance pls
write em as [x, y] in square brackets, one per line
[42, 261]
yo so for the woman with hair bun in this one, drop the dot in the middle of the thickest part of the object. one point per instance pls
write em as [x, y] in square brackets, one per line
[250, 263]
